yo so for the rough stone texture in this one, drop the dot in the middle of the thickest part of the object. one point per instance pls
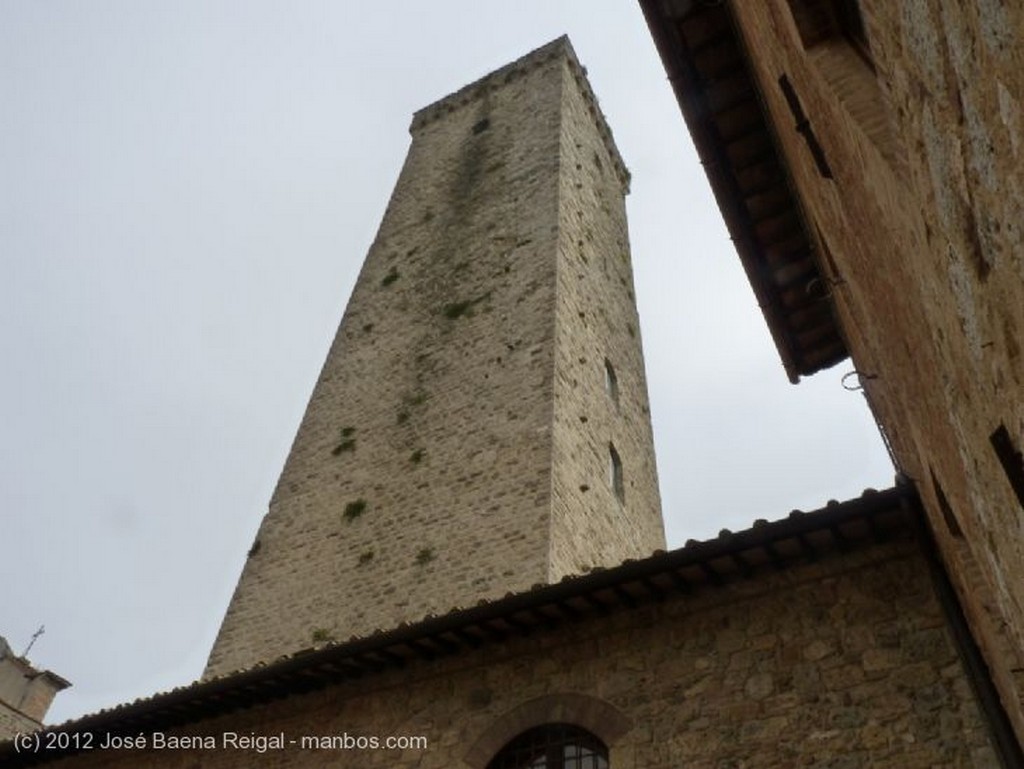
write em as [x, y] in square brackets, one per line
[13, 722]
[25, 692]
[456, 445]
[920, 236]
[844, 662]
[596, 324]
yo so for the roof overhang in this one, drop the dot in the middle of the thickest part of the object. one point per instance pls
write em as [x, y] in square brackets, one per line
[710, 72]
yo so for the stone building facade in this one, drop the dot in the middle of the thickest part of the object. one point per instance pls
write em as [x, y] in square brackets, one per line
[818, 640]
[827, 639]
[895, 130]
[485, 392]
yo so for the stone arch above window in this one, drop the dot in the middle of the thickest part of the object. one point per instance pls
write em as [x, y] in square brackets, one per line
[601, 719]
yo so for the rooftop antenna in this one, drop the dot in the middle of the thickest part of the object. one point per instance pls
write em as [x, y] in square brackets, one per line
[35, 635]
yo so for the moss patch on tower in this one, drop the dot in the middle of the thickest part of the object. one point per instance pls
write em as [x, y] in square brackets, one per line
[347, 442]
[354, 509]
[321, 635]
[455, 310]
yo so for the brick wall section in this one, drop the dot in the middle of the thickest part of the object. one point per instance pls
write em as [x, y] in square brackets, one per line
[920, 235]
[436, 408]
[841, 663]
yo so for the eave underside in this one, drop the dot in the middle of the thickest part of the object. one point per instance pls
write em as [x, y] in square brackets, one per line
[717, 93]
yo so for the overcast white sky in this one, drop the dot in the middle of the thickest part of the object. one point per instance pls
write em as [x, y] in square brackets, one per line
[187, 190]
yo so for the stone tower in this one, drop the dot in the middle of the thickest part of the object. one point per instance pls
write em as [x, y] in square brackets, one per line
[481, 421]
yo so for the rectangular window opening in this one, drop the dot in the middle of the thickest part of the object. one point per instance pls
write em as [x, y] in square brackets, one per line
[818, 21]
[835, 37]
[1011, 460]
[803, 127]
[947, 511]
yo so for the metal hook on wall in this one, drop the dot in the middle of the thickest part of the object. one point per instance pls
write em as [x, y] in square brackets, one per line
[818, 289]
[821, 288]
[861, 379]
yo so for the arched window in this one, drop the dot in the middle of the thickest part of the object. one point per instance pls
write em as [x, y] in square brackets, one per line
[553, 746]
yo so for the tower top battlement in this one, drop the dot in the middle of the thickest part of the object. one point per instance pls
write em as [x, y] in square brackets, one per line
[559, 47]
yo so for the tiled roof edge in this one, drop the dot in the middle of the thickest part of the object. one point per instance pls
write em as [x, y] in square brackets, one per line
[315, 668]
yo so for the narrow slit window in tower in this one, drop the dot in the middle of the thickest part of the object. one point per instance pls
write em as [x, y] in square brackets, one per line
[615, 473]
[947, 511]
[1011, 459]
[611, 382]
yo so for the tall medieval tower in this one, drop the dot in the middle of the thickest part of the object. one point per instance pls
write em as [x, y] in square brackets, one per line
[481, 421]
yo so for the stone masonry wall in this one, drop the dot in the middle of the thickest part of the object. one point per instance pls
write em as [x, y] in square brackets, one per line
[25, 693]
[421, 477]
[920, 236]
[597, 327]
[13, 722]
[843, 663]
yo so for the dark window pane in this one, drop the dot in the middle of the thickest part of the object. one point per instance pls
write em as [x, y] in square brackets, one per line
[553, 746]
